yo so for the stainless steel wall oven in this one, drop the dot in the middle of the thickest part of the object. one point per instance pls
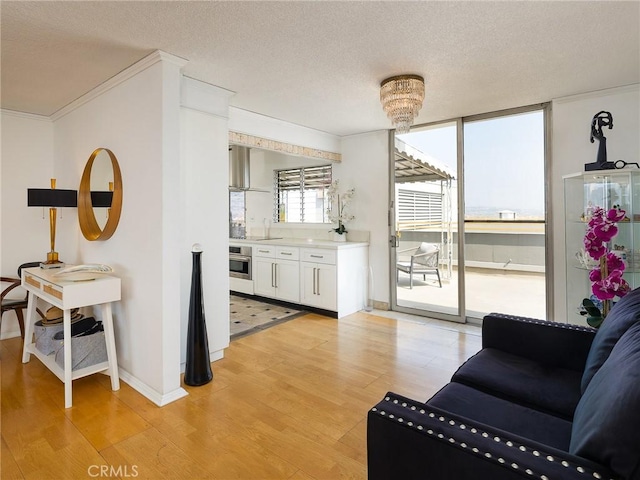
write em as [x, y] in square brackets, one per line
[240, 262]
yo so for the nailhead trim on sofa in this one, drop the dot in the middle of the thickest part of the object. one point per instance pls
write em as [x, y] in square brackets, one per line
[568, 326]
[522, 448]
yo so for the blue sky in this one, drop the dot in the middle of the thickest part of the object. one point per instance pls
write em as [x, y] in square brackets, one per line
[504, 160]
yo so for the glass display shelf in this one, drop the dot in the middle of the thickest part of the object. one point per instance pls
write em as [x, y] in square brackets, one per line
[583, 192]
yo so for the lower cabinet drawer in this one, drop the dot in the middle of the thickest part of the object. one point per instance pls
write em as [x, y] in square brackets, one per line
[264, 251]
[318, 255]
[288, 253]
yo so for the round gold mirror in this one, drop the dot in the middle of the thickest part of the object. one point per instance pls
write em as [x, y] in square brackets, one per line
[100, 195]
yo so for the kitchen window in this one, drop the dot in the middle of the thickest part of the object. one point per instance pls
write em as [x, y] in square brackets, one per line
[301, 194]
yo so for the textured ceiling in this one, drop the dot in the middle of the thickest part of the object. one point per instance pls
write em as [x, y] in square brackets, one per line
[320, 63]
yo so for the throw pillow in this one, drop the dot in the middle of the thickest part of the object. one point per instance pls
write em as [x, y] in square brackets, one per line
[606, 425]
[624, 313]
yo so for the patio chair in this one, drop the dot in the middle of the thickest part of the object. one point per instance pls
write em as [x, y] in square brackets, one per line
[424, 260]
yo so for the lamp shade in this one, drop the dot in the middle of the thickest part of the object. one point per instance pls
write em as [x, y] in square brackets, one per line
[48, 197]
[101, 199]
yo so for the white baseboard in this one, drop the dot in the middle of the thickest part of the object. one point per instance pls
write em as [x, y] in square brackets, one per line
[158, 398]
[215, 356]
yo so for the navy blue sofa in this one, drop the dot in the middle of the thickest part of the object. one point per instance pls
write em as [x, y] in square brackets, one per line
[541, 400]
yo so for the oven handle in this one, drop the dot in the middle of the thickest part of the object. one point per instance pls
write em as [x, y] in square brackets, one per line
[239, 258]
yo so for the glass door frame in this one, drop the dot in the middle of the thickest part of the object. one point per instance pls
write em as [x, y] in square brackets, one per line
[393, 243]
[462, 317]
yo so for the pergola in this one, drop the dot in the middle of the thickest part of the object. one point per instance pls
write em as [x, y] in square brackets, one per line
[414, 166]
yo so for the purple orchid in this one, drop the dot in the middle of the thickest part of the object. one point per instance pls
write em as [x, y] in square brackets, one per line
[611, 286]
[601, 230]
[605, 231]
[614, 262]
[615, 215]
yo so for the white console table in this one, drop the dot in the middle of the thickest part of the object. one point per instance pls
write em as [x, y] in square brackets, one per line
[65, 293]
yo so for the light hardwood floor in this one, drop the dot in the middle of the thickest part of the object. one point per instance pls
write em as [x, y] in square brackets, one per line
[286, 403]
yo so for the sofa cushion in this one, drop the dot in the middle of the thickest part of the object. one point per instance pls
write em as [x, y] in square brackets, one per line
[606, 425]
[624, 313]
[551, 390]
[499, 413]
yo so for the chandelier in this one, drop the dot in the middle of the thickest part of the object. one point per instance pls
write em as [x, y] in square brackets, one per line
[401, 98]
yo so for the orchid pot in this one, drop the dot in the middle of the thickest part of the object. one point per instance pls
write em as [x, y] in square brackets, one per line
[339, 237]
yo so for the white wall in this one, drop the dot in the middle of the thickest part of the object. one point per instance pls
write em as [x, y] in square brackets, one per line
[572, 149]
[205, 207]
[26, 161]
[365, 166]
[137, 117]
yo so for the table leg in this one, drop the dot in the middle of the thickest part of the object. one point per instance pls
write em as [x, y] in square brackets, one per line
[68, 365]
[107, 319]
[28, 327]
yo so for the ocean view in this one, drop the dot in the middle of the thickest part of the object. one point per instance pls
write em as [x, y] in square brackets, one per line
[493, 213]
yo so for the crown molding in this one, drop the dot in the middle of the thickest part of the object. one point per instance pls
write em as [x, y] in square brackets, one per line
[123, 76]
[635, 87]
[25, 115]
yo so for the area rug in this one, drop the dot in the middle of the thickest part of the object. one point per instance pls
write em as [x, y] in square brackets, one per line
[250, 316]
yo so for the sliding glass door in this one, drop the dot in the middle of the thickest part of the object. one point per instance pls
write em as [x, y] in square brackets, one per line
[425, 171]
[504, 215]
[469, 217]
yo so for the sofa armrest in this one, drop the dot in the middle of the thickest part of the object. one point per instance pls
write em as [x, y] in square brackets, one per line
[552, 344]
[410, 440]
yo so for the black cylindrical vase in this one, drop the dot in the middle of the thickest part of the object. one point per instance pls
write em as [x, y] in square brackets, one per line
[198, 367]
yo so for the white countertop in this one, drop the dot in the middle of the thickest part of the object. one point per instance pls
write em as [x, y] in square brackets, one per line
[299, 242]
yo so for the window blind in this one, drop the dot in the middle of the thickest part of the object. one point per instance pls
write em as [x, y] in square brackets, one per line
[301, 193]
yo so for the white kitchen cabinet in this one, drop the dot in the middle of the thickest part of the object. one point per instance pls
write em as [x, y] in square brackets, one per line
[276, 272]
[333, 279]
[318, 286]
[263, 277]
[287, 280]
[314, 273]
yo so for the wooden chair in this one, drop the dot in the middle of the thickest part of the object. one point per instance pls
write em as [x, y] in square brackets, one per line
[424, 260]
[13, 303]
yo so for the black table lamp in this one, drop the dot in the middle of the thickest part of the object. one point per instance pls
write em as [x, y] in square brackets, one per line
[54, 199]
[101, 199]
